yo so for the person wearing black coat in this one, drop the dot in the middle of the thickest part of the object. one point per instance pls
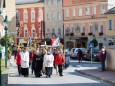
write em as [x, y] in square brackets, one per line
[37, 63]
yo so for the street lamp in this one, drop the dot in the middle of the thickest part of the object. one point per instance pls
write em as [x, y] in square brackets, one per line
[6, 24]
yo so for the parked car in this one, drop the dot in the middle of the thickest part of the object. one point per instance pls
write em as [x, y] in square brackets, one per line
[74, 52]
[95, 55]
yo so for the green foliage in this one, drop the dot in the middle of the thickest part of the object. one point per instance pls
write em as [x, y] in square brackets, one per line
[9, 40]
[95, 42]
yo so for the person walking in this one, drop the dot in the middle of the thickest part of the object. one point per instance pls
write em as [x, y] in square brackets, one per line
[103, 58]
[80, 55]
[37, 60]
[48, 63]
[25, 63]
[60, 60]
[18, 60]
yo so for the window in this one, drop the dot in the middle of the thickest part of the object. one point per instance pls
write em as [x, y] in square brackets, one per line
[17, 18]
[109, 25]
[72, 29]
[78, 29]
[94, 10]
[48, 16]
[58, 1]
[114, 24]
[33, 33]
[25, 16]
[91, 29]
[53, 30]
[53, 16]
[67, 30]
[96, 28]
[26, 33]
[101, 28]
[74, 12]
[87, 11]
[67, 13]
[47, 2]
[102, 8]
[58, 16]
[59, 31]
[79, 11]
[83, 29]
[32, 15]
[52, 2]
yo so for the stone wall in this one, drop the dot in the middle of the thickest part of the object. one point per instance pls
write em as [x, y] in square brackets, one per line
[110, 61]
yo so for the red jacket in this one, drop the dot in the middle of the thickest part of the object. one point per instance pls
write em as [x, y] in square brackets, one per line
[60, 59]
[18, 59]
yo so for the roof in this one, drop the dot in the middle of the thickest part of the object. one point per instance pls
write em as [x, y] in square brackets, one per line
[111, 11]
[28, 1]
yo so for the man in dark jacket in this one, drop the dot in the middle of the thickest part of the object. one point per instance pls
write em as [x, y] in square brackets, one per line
[80, 55]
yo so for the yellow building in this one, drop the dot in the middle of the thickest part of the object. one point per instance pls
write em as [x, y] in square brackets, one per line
[111, 22]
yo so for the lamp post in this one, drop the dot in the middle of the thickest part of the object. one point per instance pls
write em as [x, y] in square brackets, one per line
[0, 55]
[6, 23]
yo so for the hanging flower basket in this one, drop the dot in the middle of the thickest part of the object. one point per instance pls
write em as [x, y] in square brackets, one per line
[101, 33]
[90, 34]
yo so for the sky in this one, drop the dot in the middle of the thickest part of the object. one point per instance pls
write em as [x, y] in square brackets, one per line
[111, 3]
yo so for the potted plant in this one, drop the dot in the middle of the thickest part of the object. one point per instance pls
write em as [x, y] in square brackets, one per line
[82, 33]
[71, 34]
[90, 33]
[101, 33]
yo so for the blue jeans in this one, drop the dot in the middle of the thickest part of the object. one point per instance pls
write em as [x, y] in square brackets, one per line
[103, 66]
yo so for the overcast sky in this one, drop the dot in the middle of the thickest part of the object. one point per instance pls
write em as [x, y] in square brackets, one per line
[20, 1]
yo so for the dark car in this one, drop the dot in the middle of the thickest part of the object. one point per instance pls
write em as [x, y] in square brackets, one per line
[95, 55]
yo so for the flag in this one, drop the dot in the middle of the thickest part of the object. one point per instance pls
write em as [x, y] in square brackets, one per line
[55, 42]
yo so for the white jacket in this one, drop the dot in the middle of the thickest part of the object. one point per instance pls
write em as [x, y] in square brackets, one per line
[25, 59]
[48, 60]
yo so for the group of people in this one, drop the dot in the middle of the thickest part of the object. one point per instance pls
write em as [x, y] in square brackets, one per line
[40, 62]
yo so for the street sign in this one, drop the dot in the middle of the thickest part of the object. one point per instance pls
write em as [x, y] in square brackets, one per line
[91, 45]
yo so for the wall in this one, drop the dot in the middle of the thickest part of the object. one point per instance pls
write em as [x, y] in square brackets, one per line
[110, 61]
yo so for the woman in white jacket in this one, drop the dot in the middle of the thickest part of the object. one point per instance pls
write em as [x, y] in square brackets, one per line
[25, 63]
[48, 63]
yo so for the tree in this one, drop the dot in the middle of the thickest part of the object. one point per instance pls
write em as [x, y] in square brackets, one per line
[95, 42]
[9, 40]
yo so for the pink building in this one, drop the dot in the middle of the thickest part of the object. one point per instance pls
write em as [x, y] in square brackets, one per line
[31, 21]
[82, 18]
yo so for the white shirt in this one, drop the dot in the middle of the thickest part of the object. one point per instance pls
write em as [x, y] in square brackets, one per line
[25, 59]
[48, 60]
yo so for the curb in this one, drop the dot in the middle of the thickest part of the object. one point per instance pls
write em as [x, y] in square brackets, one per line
[100, 78]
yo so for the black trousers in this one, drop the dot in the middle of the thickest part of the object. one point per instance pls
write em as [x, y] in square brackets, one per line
[19, 69]
[60, 69]
[103, 66]
[25, 71]
[48, 71]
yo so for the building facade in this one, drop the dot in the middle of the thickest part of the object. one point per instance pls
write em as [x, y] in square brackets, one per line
[82, 19]
[8, 8]
[53, 19]
[30, 20]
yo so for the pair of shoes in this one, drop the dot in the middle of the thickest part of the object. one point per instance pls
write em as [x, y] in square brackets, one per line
[61, 75]
[46, 76]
